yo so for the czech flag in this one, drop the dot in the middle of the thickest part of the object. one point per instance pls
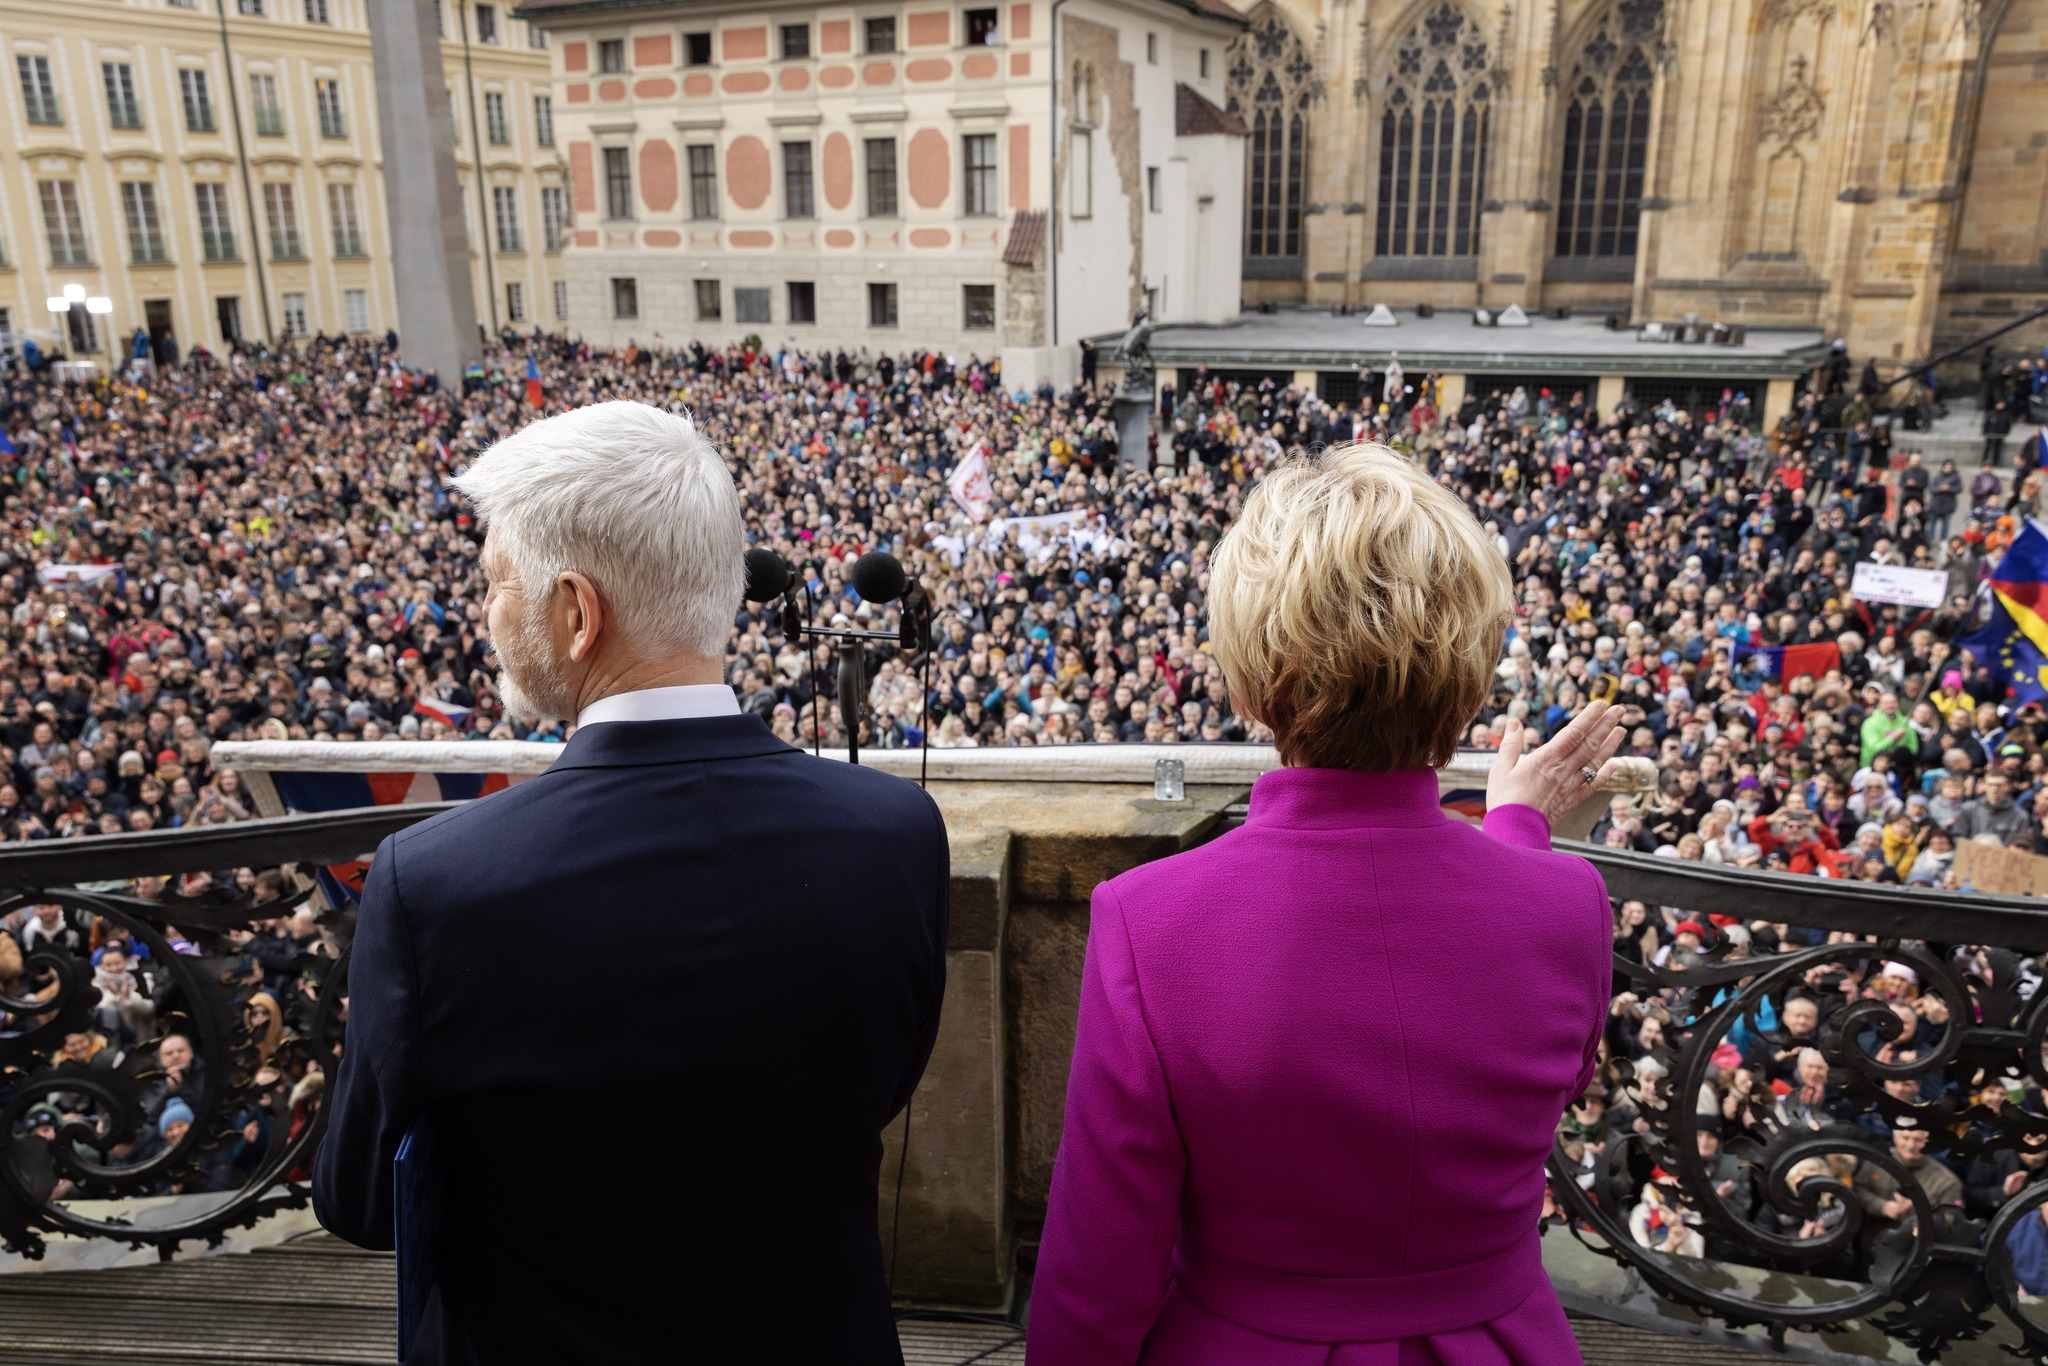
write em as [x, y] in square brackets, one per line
[2013, 642]
[533, 391]
[1787, 662]
[434, 709]
[2037, 449]
[1467, 802]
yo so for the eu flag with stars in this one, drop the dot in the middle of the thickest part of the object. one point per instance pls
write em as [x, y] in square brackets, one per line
[2013, 642]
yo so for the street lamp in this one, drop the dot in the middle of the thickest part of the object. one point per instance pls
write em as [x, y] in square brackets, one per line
[98, 304]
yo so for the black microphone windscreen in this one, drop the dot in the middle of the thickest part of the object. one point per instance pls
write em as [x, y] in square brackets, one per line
[878, 577]
[767, 575]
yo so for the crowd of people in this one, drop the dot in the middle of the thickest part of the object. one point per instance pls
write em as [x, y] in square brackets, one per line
[264, 545]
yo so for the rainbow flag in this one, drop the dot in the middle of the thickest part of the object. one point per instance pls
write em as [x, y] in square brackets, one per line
[2013, 642]
[533, 389]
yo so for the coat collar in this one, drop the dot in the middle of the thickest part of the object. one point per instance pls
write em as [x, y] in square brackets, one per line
[1343, 799]
[630, 744]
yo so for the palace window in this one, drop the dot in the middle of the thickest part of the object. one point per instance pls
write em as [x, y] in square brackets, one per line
[63, 223]
[198, 100]
[146, 245]
[1435, 122]
[264, 105]
[216, 226]
[618, 183]
[38, 91]
[797, 200]
[123, 109]
[703, 181]
[1271, 82]
[345, 224]
[327, 99]
[554, 216]
[979, 160]
[281, 213]
[881, 169]
[1607, 135]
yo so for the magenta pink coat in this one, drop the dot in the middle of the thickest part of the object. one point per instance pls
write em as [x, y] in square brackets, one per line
[1317, 1073]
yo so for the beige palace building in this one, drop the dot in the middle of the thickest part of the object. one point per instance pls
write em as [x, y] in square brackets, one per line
[216, 174]
[879, 174]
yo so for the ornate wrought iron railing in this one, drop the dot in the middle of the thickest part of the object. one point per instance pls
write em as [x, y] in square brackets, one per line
[1820, 1215]
[1829, 1219]
[189, 1104]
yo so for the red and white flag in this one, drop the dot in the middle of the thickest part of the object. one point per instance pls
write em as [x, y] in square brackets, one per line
[970, 485]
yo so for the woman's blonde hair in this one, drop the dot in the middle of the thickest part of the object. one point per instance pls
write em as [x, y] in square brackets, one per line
[1358, 609]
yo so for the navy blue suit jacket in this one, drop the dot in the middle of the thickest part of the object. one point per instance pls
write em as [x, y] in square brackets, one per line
[662, 1001]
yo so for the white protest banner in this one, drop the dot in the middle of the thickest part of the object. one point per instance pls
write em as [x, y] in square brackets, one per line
[1894, 583]
[970, 485]
[1042, 536]
[75, 573]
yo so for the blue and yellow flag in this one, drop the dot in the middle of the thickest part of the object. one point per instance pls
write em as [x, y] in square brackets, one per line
[2013, 643]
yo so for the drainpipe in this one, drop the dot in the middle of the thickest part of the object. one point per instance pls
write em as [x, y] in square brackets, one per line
[484, 227]
[1052, 203]
[227, 57]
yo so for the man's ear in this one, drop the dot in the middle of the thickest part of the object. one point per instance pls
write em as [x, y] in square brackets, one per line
[584, 611]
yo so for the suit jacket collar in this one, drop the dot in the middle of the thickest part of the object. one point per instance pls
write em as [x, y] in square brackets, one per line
[630, 744]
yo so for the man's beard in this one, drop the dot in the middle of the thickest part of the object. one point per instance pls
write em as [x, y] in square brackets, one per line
[530, 680]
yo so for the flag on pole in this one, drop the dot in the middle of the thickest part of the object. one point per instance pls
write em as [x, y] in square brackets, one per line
[2013, 642]
[533, 390]
[969, 483]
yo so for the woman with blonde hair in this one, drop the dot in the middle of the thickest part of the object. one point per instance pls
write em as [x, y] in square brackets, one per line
[1297, 1128]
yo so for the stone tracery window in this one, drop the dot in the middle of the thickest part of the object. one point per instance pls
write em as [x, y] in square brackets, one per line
[1271, 83]
[1435, 125]
[1607, 134]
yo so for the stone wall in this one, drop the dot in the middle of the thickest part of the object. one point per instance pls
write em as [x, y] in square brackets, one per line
[985, 1123]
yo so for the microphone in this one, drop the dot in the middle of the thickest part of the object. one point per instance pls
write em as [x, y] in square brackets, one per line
[878, 577]
[852, 682]
[767, 574]
[914, 633]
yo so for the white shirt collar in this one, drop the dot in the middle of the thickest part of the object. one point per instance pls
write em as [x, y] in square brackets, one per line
[686, 702]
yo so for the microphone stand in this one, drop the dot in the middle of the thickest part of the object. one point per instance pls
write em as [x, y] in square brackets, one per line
[853, 664]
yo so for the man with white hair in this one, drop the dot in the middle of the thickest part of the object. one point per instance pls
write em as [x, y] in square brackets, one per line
[768, 933]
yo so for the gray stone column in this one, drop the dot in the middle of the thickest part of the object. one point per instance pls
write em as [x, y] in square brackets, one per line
[422, 198]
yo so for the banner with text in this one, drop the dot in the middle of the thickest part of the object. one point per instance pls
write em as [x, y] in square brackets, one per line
[1895, 583]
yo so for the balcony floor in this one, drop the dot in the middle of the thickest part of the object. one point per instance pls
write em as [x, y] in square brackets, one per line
[319, 1302]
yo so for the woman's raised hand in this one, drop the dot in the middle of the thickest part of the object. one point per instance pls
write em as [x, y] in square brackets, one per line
[1553, 777]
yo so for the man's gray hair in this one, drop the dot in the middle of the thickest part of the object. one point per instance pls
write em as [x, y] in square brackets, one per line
[635, 498]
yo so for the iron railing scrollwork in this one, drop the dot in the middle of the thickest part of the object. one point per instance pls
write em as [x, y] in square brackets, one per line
[1841, 1221]
[96, 1131]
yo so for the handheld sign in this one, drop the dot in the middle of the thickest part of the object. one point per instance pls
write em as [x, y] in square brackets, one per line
[1895, 583]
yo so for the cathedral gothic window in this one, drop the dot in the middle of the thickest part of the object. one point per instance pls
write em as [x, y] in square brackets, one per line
[1607, 134]
[1271, 82]
[1435, 121]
